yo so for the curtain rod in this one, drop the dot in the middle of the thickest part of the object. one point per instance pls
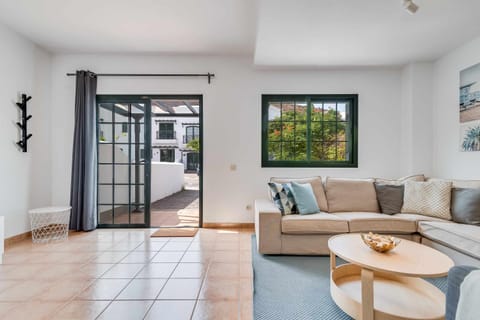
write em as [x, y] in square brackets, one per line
[208, 75]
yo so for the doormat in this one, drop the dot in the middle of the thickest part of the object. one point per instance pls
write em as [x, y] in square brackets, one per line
[175, 232]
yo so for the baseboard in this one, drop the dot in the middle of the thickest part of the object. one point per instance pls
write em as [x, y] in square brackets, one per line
[17, 238]
[220, 225]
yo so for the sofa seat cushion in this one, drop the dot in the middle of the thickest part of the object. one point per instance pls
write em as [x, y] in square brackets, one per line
[461, 237]
[417, 217]
[377, 222]
[317, 223]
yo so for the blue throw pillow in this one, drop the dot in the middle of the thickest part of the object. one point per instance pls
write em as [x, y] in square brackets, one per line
[304, 198]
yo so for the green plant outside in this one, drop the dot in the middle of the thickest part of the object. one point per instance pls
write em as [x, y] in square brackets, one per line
[194, 145]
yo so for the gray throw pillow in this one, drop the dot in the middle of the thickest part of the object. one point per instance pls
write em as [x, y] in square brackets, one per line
[390, 197]
[466, 205]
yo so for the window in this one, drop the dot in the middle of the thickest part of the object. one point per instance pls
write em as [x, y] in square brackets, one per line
[309, 131]
[124, 127]
[165, 131]
[191, 133]
[167, 155]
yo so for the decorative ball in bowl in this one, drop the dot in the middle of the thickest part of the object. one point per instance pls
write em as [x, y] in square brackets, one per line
[380, 243]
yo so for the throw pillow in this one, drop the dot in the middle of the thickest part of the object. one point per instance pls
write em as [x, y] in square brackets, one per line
[390, 197]
[304, 198]
[466, 205]
[431, 198]
[317, 187]
[283, 197]
[351, 195]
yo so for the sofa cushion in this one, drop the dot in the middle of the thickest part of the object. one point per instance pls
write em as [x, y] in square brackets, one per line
[466, 205]
[283, 197]
[317, 186]
[345, 195]
[390, 197]
[304, 198]
[377, 222]
[317, 223]
[431, 198]
[401, 181]
[461, 237]
[416, 217]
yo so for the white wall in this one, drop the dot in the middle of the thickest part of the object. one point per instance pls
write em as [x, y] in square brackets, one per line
[167, 179]
[25, 177]
[417, 122]
[232, 119]
[448, 160]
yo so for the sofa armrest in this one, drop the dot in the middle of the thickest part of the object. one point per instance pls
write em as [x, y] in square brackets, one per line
[268, 227]
[456, 275]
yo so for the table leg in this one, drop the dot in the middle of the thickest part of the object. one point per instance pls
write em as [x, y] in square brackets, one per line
[333, 263]
[367, 295]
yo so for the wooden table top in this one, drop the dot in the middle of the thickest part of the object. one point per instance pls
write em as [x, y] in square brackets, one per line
[408, 258]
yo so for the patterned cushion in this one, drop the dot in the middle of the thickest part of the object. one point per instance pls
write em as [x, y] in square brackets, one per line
[282, 196]
[431, 198]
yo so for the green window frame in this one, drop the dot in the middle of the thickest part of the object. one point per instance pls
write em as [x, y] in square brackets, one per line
[319, 130]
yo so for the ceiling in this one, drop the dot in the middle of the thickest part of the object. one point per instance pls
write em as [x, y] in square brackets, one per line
[281, 33]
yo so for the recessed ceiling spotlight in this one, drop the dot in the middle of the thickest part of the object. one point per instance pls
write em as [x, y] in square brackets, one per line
[410, 6]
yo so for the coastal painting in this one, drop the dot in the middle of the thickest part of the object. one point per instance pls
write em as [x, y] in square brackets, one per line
[469, 109]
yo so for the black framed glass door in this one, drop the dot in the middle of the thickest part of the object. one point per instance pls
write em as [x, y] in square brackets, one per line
[124, 161]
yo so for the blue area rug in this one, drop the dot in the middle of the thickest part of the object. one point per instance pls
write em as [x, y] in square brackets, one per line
[297, 287]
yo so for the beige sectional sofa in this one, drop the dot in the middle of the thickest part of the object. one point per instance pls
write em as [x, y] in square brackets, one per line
[308, 234]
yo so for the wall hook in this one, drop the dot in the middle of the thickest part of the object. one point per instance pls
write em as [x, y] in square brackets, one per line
[23, 124]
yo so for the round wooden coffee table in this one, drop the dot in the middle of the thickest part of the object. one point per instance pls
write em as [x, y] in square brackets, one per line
[387, 285]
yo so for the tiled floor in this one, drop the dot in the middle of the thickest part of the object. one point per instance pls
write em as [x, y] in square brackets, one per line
[125, 274]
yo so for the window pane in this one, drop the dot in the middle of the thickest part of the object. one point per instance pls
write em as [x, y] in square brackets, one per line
[288, 110]
[121, 133]
[342, 151]
[288, 131]
[121, 194]
[121, 153]
[288, 151]
[274, 111]
[137, 194]
[342, 110]
[105, 132]
[301, 131]
[301, 151]
[316, 132]
[329, 131]
[137, 132]
[105, 112]
[136, 153]
[105, 214]
[121, 112]
[105, 173]
[317, 111]
[105, 152]
[105, 194]
[342, 133]
[274, 151]
[300, 111]
[330, 151]
[121, 174]
[317, 151]
[274, 131]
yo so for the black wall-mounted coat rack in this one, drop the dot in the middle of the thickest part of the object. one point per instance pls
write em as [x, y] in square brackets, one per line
[23, 125]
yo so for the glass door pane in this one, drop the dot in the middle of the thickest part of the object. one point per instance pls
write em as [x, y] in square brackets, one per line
[123, 162]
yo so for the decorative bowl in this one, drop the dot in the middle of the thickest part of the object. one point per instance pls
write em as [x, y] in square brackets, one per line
[380, 243]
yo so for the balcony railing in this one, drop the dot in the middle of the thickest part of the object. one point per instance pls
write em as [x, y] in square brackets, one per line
[166, 135]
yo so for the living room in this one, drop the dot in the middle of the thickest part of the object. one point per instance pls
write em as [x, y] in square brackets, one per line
[398, 78]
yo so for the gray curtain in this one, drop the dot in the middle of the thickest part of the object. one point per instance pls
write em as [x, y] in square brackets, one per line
[83, 190]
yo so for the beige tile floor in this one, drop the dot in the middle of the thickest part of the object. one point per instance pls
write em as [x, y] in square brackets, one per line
[125, 274]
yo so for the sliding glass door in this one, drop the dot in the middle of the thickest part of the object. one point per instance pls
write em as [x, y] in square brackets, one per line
[124, 160]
